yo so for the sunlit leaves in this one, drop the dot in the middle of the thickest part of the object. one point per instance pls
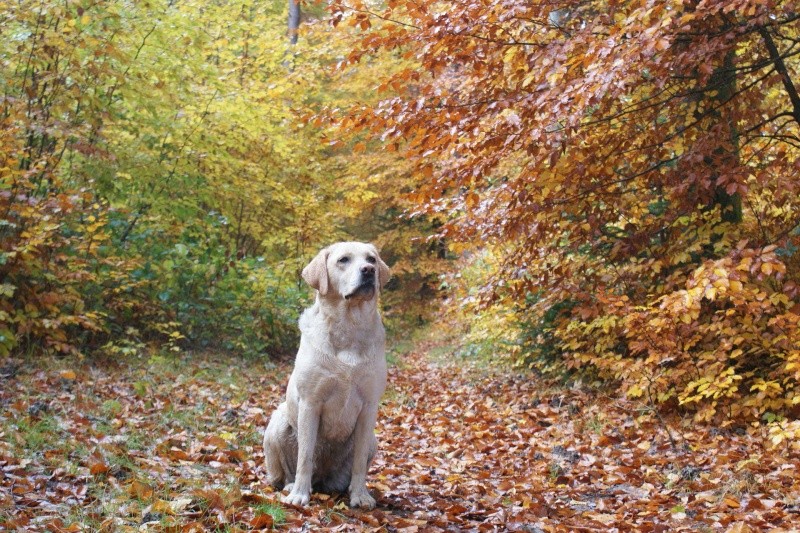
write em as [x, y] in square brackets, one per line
[147, 149]
[606, 152]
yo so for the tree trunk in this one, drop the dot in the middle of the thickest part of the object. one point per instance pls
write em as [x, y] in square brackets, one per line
[294, 20]
[725, 79]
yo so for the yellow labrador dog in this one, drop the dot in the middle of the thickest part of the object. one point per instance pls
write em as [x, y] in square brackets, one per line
[323, 435]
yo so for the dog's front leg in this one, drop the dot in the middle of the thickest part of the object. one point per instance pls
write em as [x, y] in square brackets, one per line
[307, 427]
[365, 448]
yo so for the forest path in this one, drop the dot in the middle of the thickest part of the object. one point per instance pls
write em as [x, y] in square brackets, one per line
[175, 445]
[470, 448]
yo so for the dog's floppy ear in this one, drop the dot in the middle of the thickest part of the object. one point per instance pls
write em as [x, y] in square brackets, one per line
[316, 272]
[383, 272]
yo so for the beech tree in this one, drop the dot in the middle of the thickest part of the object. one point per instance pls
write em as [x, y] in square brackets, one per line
[632, 167]
[294, 20]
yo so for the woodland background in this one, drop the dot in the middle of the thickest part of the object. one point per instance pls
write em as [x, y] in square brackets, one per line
[614, 184]
[602, 192]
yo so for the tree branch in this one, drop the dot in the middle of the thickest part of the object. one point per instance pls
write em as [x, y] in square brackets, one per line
[780, 67]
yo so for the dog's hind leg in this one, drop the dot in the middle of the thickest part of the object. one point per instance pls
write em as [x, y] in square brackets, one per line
[280, 449]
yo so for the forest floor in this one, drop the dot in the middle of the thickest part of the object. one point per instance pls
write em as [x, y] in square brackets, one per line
[165, 444]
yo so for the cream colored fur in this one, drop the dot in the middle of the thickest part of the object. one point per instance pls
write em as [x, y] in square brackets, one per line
[323, 435]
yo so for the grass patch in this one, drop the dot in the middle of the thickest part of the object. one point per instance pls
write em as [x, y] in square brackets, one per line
[596, 424]
[442, 353]
[253, 437]
[141, 388]
[397, 350]
[122, 460]
[393, 396]
[111, 408]
[104, 428]
[188, 419]
[136, 440]
[39, 435]
[273, 510]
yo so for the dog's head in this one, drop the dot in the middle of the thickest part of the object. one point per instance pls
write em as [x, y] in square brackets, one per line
[349, 270]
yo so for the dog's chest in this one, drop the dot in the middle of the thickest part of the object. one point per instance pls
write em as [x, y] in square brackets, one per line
[352, 376]
[352, 387]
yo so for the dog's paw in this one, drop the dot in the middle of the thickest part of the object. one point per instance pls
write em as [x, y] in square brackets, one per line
[300, 498]
[361, 498]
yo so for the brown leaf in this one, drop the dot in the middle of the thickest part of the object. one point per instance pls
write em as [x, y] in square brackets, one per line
[261, 521]
[732, 502]
[211, 498]
[140, 490]
[98, 467]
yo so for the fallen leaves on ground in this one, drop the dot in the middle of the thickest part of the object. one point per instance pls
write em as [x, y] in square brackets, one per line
[174, 445]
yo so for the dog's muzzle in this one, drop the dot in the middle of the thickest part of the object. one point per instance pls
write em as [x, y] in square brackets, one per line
[366, 287]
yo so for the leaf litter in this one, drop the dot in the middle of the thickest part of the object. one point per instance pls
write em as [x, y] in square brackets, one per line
[174, 445]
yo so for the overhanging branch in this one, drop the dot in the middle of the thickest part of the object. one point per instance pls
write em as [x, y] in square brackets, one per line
[780, 67]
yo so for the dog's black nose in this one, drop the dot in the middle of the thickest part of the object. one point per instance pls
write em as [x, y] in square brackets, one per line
[368, 270]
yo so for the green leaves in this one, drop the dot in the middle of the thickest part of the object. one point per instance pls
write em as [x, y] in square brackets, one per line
[6, 289]
[147, 154]
[7, 340]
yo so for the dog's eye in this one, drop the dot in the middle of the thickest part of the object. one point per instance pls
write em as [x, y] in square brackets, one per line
[344, 259]
[371, 259]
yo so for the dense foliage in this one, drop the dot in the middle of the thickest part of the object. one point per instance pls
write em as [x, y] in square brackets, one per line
[624, 173]
[618, 179]
[605, 191]
[124, 192]
[158, 182]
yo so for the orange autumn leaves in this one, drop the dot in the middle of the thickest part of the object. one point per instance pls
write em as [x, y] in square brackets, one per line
[604, 171]
[176, 445]
[628, 168]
